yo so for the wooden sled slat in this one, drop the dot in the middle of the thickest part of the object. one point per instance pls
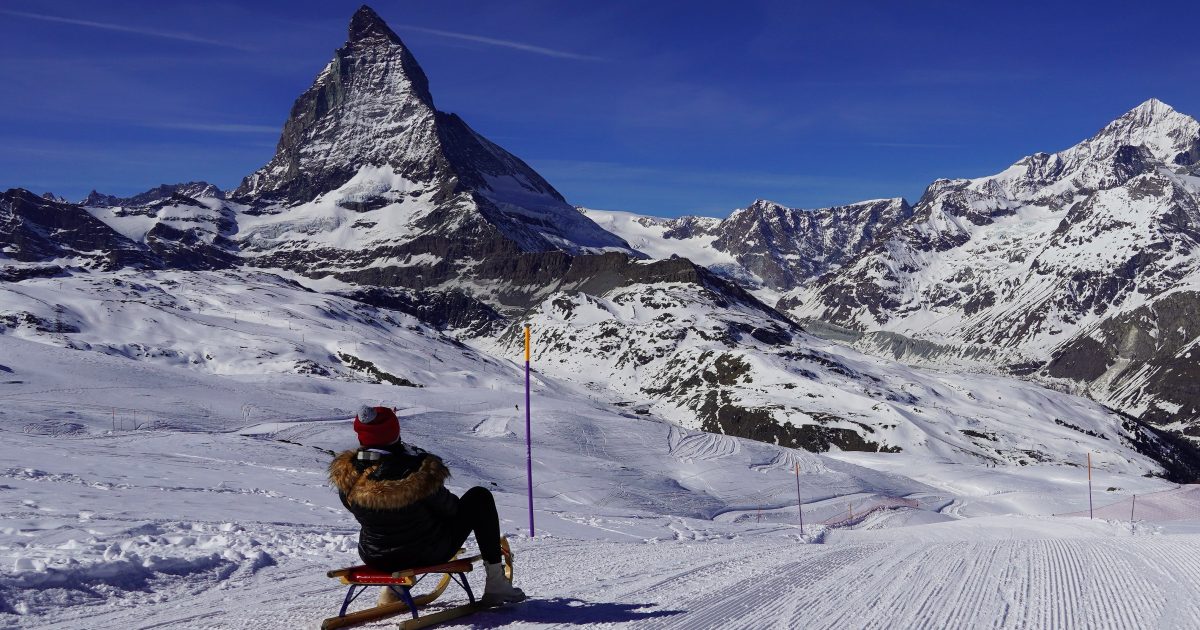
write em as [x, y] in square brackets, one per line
[424, 621]
[365, 615]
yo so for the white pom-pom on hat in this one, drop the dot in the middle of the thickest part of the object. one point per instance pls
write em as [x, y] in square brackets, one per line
[366, 414]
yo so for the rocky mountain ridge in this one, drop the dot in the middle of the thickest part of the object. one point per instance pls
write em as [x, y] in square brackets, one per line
[704, 358]
[1034, 267]
[765, 245]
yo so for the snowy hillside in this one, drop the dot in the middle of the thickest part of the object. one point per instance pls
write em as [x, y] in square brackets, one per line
[154, 492]
[237, 323]
[701, 360]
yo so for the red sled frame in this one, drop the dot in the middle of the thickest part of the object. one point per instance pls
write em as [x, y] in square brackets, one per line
[360, 578]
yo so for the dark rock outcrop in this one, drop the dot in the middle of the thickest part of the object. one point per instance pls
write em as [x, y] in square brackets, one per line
[36, 229]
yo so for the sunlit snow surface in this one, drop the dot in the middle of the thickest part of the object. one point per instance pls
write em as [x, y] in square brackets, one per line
[143, 487]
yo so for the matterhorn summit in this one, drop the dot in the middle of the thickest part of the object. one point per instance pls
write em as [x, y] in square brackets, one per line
[366, 158]
[369, 106]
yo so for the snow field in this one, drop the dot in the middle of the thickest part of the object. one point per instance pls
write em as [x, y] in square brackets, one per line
[144, 489]
[97, 539]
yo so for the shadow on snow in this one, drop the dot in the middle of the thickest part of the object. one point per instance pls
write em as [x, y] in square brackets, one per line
[568, 610]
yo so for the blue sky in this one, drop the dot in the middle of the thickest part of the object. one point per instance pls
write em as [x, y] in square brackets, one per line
[658, 107]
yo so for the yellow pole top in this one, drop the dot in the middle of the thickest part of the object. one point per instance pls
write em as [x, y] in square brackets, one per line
[526, 343]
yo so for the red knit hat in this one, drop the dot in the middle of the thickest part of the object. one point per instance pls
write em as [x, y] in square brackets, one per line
[376, 426]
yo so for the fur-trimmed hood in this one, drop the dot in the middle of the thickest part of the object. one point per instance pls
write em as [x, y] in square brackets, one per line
[386, 494]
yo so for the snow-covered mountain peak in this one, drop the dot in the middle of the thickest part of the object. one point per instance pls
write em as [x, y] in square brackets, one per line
[1149, 137]
[766, 245]
[368, 32]
[365, 157]
[369, 106]
[760, 205]
[366, 26]
[1155, 125]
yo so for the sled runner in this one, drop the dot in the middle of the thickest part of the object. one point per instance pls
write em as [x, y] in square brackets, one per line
[360, 578]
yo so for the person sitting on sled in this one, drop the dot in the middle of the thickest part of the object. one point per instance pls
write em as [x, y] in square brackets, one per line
[408, 517]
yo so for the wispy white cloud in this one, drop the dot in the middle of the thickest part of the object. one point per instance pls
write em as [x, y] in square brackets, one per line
[504, 43]
[149, 32]
[218, 127]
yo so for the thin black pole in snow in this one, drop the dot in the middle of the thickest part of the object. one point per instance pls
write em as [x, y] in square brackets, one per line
[1132, 508]
[799, 502]
[528, 433]
[1090, 513]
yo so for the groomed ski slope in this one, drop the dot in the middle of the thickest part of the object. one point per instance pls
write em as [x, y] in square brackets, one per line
[757, 581]
[640, 524]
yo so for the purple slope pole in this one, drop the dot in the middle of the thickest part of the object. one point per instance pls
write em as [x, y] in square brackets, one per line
[528, 433]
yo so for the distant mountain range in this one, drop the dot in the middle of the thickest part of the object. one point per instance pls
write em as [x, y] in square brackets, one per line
[1080, 268]
[1075, 269]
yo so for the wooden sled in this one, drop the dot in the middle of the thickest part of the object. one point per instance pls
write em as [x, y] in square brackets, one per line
[401, 583]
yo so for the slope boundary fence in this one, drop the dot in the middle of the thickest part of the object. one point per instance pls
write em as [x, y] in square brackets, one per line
[1177, 504]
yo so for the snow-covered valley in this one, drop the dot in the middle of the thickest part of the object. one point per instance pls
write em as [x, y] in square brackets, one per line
[187, 489]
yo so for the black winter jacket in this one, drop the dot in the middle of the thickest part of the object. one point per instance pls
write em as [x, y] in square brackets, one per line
[403, 507]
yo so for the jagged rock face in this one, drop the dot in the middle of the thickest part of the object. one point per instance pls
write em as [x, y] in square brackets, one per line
[35, 229]
[1011, 267]
[1146, 360]
[170, 230]
[194, 190]
[787, 247]
[366, 154]
[185, 226]
[451, 311]
[765, 244]
[370, 103]
[372, 185]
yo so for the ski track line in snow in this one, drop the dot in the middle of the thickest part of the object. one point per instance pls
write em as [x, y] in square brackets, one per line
[1005, 584]
[1181, 609]
[753, 594]
[703, 446]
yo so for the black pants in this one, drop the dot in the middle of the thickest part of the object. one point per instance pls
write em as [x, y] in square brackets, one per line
[477, 513]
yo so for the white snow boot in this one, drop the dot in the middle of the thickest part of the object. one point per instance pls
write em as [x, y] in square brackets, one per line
[499, 589]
